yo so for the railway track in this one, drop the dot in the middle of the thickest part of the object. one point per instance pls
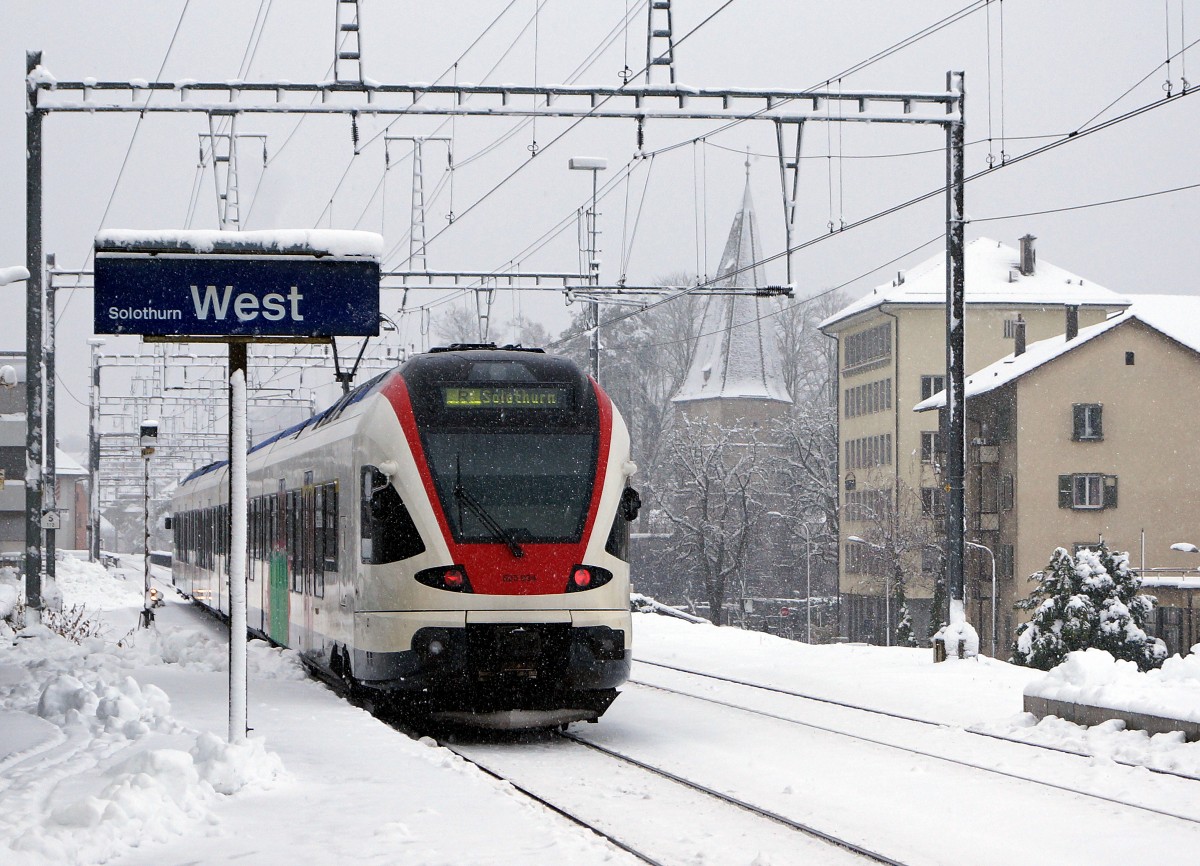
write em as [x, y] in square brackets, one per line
[757, 815]
[878, 741]
[1162, 771]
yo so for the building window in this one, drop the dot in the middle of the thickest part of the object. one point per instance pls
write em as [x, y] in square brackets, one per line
[1129, 359]
[1010, 328]
[931, 444]
[1007, 492]
[933, 502]
[870, 504]
[930, 385]
[931, 560]
[867, 399]
[1004, 561]
[1086, 491]
[870, 347]
[1086, 424]
[869, 451]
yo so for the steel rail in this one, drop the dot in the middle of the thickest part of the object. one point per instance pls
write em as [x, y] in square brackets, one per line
[558, 810]
[932, 723]
[799, 826]
[920, 752]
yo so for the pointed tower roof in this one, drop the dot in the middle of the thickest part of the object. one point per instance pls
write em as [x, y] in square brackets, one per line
[737, 357]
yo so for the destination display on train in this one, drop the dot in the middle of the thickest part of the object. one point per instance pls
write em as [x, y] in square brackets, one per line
[507, 397]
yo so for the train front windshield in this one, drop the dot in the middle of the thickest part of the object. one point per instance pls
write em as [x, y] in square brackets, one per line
[512, 446]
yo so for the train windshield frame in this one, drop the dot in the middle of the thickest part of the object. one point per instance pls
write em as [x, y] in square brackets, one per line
[512, 442]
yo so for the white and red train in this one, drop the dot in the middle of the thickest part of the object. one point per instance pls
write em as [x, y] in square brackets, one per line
[452, 534]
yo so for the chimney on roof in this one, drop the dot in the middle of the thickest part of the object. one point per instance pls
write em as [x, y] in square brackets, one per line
[1028, 256]
[1019, 336]
[1072, 322]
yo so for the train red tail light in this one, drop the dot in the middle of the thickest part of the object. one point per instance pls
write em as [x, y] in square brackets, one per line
[587, 577]
[448, 577]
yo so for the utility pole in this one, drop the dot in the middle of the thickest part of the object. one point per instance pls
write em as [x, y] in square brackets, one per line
[660, 38]
[50, 506]
[416, 235]
[94, 453]
[223, 147]
[595, 165]
[955, 432]
[33, 340]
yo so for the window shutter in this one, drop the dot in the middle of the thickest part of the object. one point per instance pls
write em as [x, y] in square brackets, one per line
[1099, 418]
[1110, 491]
[1065, 491]
[1077, 422]
[1006, 493]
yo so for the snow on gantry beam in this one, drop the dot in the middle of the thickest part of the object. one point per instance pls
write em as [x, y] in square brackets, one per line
[661, 102]
[312, 242]
[13, 275]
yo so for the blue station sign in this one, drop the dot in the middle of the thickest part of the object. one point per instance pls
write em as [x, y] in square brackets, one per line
[235, 295]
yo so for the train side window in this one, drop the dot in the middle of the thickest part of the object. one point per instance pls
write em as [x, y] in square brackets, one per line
[627, 512]
[292, 528]
[329, 559]
[387, 532]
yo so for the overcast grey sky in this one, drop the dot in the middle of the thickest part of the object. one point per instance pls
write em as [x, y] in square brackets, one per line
[1058, 67]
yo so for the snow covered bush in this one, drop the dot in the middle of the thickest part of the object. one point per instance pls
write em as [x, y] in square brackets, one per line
[904, 628]
[1090, 600]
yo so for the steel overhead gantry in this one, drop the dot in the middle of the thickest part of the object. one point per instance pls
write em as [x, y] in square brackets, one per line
[46, 95]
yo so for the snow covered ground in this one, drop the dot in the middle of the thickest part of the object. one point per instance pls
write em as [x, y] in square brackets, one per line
[112, 750]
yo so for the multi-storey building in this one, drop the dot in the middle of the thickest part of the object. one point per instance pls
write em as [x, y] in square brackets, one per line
[1085, 436]
[891, 355]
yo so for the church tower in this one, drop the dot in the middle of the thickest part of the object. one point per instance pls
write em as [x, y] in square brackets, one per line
[736, 371]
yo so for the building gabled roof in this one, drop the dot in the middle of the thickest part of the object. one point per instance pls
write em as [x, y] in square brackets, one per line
[993, 276]
[1175, 316]
[737, 356]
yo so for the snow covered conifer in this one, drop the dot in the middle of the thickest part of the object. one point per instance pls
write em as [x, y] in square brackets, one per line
[1090, 600]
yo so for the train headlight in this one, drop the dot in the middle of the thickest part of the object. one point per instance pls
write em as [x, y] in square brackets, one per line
[448, 577]
[587, 577]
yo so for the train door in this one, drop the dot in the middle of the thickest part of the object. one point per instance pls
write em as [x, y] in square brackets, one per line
[307, 559]
[277, 575]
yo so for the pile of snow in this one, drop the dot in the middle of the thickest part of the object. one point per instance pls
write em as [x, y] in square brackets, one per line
[13, 275]
[90, 585]
[1093, 677]
[125, 770]
[330, 242]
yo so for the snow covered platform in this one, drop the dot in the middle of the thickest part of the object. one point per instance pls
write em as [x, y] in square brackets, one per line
[1089, 716]
[1092, 687]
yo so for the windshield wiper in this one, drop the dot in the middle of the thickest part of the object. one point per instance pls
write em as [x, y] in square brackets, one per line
[485, 517]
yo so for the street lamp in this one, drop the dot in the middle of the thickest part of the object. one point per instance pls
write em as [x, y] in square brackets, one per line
[887, 586]
[595, 165]
[808, 576]
[988, 550]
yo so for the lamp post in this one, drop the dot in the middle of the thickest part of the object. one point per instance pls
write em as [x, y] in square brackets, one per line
[887, 587]
[148, 437]
[988, 550]
[594, 165]
[808, 576]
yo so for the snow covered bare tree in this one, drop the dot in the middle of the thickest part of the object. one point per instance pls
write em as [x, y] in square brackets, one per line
[713, 498]
[1089, 600]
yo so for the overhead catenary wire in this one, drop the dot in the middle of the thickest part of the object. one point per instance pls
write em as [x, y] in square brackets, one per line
[583, 67]
[1071, 137]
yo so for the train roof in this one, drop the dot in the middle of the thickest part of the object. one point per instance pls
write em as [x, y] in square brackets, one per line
[457, 358]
